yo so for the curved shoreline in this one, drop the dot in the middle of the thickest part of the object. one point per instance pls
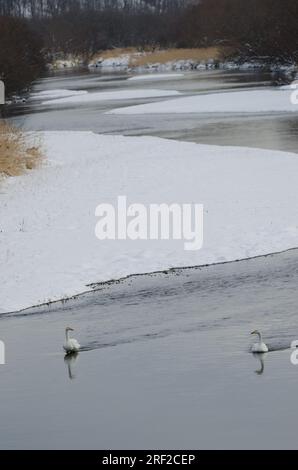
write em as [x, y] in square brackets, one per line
[112, 282]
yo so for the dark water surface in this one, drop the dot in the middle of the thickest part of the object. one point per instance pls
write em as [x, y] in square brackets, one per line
[165, 363]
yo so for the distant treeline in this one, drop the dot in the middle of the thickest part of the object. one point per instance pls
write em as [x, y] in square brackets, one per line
[254, 27]
[41, 8]
[262, 28]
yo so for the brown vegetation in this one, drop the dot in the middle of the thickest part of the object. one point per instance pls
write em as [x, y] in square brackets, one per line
[148, 55]
[117, 51]
[170, 55]
[17, 154]
[113, 53]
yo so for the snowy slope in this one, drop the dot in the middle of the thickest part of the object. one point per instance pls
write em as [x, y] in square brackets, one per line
[47, 217]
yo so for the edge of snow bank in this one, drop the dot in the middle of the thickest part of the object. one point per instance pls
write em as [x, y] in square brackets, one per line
[97, 286]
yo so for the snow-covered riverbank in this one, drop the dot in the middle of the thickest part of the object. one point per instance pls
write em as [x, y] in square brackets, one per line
[182, 59]
[48, 245]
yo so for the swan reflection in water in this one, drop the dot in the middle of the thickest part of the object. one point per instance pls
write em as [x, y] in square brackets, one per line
[70, 360]
[261, 359]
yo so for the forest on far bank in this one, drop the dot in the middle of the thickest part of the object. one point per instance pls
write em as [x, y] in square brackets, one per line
[253, 28]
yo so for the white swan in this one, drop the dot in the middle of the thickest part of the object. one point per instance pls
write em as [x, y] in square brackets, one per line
[71, 345]
[259, 347]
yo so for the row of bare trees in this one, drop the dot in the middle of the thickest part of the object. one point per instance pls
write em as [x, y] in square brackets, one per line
[41, 8]
[253, 27]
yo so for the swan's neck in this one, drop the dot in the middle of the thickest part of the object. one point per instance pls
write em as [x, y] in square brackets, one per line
[260, 337]
[67, 335]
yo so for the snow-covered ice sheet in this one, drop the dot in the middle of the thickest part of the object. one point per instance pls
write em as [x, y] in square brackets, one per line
[48, 248]
[112, 95]
[252, 101]
[56, 93]
[156, 76]
[292, 86]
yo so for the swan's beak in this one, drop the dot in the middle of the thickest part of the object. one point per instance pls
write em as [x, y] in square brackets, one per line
[253, 333]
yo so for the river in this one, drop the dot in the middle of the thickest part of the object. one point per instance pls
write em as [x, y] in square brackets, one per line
[165, 359]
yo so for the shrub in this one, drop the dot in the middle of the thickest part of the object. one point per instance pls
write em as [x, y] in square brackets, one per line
[17, 152]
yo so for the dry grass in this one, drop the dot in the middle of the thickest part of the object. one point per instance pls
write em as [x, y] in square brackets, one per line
[147, 56]
[111, 53]
[169, 55]
[116, 52]
[17, 154]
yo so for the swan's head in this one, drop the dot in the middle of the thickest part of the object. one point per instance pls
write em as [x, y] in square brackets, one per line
[255, 332]
[69, 329]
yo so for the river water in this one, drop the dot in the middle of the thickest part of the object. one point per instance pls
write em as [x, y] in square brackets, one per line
[273, 131]
[165, 359]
